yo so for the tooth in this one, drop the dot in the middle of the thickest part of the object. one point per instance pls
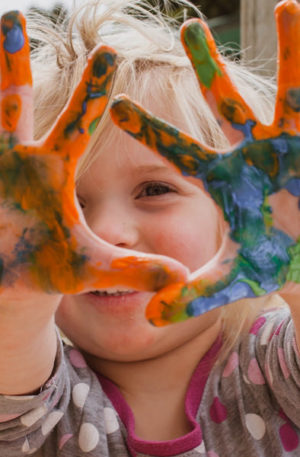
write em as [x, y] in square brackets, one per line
[114, 293]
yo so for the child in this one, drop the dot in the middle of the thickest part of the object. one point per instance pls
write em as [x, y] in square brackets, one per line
[224, 383]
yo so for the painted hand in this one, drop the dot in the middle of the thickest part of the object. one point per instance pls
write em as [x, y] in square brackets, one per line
[45, 244]
[256, 183]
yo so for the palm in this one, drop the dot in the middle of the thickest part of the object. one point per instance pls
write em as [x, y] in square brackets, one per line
[256, 183]
[45, 243]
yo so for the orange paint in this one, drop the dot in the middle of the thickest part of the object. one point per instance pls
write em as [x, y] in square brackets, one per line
[61, 139]
[224, 91]
[157, 312]
[11, 106]
[15, 67]
[54, 268]
[131, 117]
[137, 273]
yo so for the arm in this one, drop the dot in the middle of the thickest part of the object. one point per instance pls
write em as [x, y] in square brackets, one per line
[46, 247]
[27, 344]
[43, 245]
[28, 337]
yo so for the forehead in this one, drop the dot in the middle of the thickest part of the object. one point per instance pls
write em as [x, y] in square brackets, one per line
[121, 149]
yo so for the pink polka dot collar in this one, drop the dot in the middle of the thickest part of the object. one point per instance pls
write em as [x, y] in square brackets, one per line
[192, 401]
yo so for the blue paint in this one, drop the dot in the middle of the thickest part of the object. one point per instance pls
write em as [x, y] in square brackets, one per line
[235, 291]
[245, 128]
[93, 91]
[280, 145]
[14, 40]
[84, 106]
[266, 250]
[293, 186]
[249, 193]
[24, 247]
[97, 94]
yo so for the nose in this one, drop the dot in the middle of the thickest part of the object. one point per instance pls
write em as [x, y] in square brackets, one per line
[114, 224]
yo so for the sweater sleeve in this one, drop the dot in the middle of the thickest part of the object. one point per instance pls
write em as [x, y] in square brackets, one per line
[27, 420]
[274, 360]
[250, 404]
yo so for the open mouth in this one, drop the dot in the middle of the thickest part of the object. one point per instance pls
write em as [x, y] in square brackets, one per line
[116, 293]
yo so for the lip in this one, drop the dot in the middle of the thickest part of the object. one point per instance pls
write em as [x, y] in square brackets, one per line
[118, 303]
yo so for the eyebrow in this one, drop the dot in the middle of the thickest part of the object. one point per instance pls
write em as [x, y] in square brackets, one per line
[154, 168]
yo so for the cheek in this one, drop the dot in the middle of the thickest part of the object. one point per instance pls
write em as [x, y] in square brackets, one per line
[62, 316]
[193, 240]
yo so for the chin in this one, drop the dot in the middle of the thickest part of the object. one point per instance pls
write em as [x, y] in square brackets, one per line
[118, 343]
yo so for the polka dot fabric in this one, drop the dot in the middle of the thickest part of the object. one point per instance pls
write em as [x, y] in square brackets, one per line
[246, 406]
[252, 398]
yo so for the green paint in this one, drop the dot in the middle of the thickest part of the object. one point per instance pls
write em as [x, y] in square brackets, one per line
[7, 141]
[93, 125]
[254, 286]
[267, 215]
[205, 66]
[293, 98]
[184, 291]
[228, 108]
[174, 314]
[294, 270]
[101, 63]
[263, 156]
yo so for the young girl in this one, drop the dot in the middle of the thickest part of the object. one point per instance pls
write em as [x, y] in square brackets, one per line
[221, 384]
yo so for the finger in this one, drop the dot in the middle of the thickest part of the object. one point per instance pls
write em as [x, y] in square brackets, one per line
[235, 116]
[225, 279]
[287, 110]
[184, 152]
[141, 272]
[208, 288]
[16, 80]
[72, 131]
[83, 262]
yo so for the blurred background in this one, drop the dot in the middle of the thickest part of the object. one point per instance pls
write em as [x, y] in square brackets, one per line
[223, 15]
[237, 24]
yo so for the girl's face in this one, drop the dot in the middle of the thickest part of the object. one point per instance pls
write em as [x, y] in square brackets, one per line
[132, 198]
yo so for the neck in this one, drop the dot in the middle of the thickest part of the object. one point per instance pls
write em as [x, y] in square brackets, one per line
[155, 388]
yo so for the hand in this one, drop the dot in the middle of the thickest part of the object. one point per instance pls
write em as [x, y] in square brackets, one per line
[45, 244]
[256, 183]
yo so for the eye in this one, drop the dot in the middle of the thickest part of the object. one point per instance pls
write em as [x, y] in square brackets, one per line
[154, 189]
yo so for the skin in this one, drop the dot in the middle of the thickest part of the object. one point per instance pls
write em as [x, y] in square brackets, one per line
[131, 198]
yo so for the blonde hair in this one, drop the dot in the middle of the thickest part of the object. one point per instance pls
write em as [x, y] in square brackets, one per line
[147, 44]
